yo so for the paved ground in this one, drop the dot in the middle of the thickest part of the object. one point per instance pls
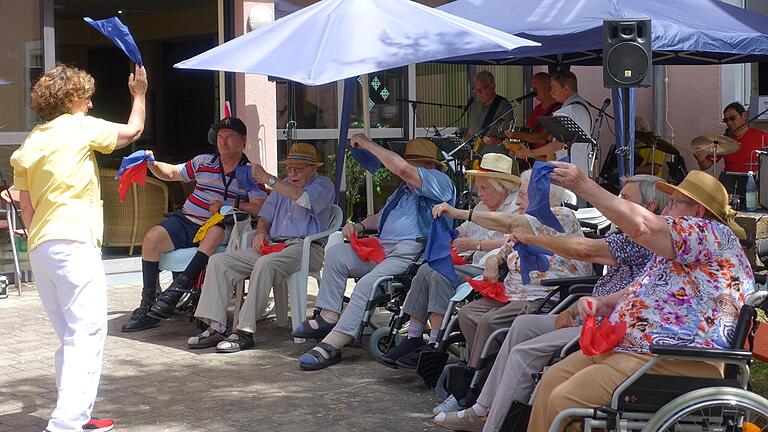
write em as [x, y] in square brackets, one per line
[152, 382]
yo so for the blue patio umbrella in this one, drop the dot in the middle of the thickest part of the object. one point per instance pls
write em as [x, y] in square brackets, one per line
[333, 40]
[685, 32]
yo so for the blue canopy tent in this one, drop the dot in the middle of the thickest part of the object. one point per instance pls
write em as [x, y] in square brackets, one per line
[685, 32]
[340, 39]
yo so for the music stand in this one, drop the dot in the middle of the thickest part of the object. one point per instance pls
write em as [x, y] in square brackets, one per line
[451, 145]
[565, 130]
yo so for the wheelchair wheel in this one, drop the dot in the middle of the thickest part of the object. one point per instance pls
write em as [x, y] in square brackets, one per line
[379, 342]
[724, 409]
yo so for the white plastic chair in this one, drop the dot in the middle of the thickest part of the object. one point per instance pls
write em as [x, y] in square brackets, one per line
[295, 286]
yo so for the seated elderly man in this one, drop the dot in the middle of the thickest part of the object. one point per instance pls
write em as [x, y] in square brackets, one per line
[405, 218]
[480, 318]
[215, 186]
[689, 295]
[533, 340]
[299, 205]
[430, 291]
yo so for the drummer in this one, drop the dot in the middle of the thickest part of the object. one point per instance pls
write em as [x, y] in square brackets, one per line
[749, 139]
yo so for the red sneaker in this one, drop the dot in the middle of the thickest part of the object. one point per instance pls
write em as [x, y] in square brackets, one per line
[97, 425]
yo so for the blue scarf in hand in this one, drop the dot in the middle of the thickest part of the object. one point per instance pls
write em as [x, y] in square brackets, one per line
[437, 253]
[535, 258]
[366, 159]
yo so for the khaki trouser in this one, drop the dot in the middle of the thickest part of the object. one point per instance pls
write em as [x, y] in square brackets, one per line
[581, 381]
[225, 270]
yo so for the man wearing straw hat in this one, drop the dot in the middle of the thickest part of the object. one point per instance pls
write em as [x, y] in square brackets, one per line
[300, 205]
[430, 291]
[689, 295]
[405, 218]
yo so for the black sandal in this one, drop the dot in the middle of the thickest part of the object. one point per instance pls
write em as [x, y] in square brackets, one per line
[305, 331]
[314, 360]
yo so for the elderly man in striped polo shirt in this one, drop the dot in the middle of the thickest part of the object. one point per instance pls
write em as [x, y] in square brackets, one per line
[215, 186]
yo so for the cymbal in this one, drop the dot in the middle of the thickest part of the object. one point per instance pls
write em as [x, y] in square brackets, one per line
[647, 140]
[720, 144]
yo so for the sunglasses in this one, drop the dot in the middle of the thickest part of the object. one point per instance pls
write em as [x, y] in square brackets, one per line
[731, 118]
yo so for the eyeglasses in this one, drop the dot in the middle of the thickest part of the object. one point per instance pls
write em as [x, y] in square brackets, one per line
[481, 89]
[297, 170]
[731, 118]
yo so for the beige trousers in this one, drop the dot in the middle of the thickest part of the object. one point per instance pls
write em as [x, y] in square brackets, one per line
[225, 270]
[581, 381]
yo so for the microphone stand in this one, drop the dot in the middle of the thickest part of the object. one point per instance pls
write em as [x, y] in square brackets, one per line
[473, 154]
[597, 127]
[415, 103]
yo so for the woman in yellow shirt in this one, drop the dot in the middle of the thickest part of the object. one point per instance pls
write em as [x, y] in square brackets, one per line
[56, 173]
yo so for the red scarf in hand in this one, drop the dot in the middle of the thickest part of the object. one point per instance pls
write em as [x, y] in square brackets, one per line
[267, 248]
[367, 249]
[600, 339]
[457, 259]
[492, 290]
[135, 174]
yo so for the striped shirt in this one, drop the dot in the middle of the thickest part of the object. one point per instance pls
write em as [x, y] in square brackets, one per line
[211, 184]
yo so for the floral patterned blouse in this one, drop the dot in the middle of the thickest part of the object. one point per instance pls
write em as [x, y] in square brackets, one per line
[631, 261]
[559, 267]
[692, 300]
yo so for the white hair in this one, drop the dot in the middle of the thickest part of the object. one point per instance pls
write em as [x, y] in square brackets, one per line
[503, 185]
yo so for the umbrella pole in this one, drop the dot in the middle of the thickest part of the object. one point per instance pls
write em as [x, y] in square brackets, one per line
[367, 130]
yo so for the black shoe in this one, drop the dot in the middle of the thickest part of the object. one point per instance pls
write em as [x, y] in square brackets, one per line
[411, 360]
[406, 347]
[305, 331]
[165, 305]
[140, 321]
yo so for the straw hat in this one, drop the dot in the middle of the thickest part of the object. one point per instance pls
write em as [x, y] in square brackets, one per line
[302, 153]
[496, 165]
[710, 193]
[422, 149]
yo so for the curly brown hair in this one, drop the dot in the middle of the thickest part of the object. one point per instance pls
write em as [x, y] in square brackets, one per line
[56, 91]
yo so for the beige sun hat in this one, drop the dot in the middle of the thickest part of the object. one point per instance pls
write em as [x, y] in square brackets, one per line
[710, 193]
[496, 165]
[422, 149]
[302, 153]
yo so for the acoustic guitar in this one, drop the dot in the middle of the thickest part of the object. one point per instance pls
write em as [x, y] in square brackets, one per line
[515, 145]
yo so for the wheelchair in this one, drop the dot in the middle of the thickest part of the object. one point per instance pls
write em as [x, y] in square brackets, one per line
[654, 403]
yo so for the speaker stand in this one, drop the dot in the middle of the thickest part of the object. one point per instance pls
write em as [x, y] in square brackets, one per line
[629, 154]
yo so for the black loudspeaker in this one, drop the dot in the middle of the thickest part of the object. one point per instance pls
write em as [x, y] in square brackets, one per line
[627, 53]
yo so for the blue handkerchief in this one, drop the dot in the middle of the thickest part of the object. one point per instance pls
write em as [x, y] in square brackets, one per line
[366, 159]
[437, 253]
[134, 159]
[245, 178]
[119, 34]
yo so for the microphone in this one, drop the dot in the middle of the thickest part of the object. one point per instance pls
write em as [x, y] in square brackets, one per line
[606, 102]
[437, 131]
[470, 101]
[526, 96]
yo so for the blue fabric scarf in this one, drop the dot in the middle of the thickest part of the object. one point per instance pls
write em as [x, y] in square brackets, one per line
[437, 253]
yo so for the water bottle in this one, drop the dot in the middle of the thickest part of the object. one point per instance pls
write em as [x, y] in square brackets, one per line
[751, 197]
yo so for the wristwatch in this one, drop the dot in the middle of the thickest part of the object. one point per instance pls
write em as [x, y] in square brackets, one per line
[477, 247]
[271, 181]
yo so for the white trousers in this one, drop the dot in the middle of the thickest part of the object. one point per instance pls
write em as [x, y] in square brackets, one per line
[73, 288]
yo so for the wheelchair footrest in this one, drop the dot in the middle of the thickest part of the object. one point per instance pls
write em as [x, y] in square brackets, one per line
[651, 392]
[430, 366]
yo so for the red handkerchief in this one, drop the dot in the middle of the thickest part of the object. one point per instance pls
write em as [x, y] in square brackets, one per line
[135, 174]
[457, 259]
[600, 339]
[267, 248]
[493, 290]
[368, 249]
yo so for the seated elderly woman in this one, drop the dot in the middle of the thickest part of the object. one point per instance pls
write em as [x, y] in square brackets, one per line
[689, 295]
[482, 317]
[430, 291]
[533, 340]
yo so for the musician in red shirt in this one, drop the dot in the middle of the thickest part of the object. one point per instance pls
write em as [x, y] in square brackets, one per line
[750, 139]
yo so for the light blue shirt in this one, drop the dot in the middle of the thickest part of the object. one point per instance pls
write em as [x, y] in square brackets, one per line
[290, 220]
[410, 211]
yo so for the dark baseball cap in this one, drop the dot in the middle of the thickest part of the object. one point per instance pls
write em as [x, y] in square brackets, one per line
[232, 123]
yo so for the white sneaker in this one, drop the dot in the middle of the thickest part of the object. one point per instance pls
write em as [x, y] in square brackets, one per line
[449, 404]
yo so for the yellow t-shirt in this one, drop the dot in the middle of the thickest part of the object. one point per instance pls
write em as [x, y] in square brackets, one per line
[56, 164]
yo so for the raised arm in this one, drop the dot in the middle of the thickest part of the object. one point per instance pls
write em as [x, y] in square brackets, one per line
[571, 247]
[391, 160]
[494, 221]
[165, 171]
[642, 226]
[131, 131]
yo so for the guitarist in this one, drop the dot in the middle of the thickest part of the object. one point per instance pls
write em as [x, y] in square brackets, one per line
[536, 136]
[486, 106]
